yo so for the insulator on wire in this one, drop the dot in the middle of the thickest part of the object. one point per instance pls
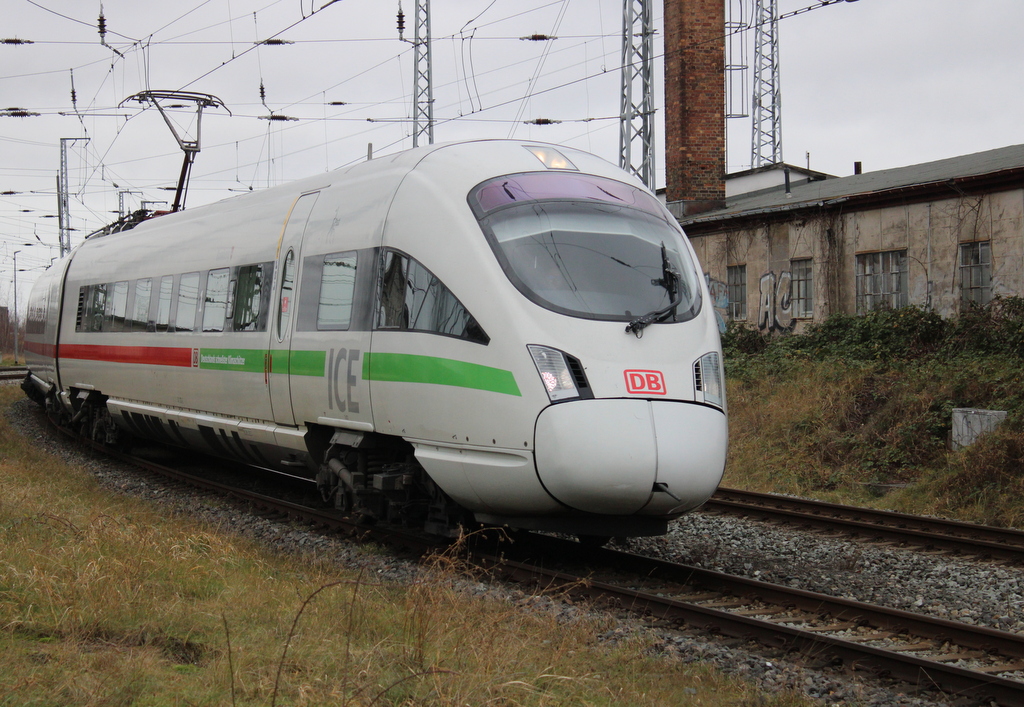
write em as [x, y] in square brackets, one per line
[263, 93]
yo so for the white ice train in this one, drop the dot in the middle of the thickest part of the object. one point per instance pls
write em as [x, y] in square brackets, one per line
[493, 331]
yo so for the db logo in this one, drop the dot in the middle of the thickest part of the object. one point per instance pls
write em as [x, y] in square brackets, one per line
[645, 382]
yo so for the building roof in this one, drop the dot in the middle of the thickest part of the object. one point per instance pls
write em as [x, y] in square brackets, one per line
[982, 171]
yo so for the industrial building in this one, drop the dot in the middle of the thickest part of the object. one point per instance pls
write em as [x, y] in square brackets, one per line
[782, 246]
[936, 235]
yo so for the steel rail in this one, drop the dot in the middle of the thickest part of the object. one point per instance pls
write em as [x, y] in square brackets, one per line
[951, 535]
[903, 666]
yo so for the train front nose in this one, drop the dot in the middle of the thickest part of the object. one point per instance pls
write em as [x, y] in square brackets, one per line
[629, 456]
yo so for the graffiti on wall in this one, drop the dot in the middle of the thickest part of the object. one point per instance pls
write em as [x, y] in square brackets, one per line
[775, 308]
[719, 298]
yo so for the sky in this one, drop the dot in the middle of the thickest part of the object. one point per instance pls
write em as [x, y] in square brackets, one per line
[885, 82]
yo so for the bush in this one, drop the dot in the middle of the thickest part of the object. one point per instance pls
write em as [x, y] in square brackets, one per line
[891, 335]
[857, 402]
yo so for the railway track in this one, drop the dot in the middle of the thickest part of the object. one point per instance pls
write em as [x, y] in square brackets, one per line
[13, 373]
[958, 659]
[950, 536]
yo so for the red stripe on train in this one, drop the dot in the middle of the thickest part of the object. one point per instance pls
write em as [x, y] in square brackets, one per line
[47, 350]
[153, 355]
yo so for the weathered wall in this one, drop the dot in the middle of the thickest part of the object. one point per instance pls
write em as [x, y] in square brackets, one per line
[930, 232]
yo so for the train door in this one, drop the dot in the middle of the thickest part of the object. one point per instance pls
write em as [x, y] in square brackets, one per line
[279, 356]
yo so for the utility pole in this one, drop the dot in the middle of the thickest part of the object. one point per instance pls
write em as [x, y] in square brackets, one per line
[16, 307]
[766, 135]
[422, 85]
[121, 211]
[63, 208]
[636, 113]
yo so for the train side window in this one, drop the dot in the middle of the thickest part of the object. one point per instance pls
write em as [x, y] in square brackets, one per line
[140, 308]
[215, 309]
[118, 306]
[94, 310]
[188, 302]
[410, 297]
[284, 310]
[163, 304]
[337, 286]
[252, 297]
[35, 321]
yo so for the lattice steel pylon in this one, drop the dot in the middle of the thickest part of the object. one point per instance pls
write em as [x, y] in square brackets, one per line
[636, 115]
[63, 206]
[422, 86]
[766, 135]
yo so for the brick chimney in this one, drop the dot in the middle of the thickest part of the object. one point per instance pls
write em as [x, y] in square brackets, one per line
[695, 104]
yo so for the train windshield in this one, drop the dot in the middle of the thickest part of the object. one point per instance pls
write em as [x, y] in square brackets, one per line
[587, 246]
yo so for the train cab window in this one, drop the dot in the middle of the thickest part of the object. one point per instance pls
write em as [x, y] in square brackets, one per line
[588, 247]
[252, 297]
[284, 310]
[188, 302]
[411, 298]
[163, 304]
[140, 308]
[337, 286]
[215, 303]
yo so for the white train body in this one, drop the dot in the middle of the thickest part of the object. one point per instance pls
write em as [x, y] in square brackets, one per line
[466, 303]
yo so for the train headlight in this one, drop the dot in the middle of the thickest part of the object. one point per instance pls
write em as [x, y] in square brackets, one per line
[707, 379]
[554, 373]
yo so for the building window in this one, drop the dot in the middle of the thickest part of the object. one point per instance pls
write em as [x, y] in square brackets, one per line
[975, 273]
[881, 280]
[801, 288]
[737, 282]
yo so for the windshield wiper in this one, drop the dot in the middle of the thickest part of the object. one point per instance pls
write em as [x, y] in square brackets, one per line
[669, 279]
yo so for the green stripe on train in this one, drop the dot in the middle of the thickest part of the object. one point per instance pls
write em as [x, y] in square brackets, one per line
[308, 363]
[411, 368]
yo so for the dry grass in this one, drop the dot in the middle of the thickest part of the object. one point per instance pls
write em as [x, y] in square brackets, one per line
[106, 600]
[871, 434]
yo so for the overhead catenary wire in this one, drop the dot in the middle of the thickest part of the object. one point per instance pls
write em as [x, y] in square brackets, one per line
[482, 104]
